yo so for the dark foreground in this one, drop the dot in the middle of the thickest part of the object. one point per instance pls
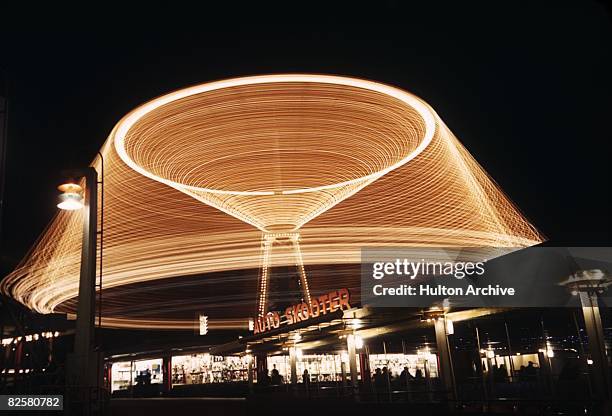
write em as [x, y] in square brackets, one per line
[243, 406]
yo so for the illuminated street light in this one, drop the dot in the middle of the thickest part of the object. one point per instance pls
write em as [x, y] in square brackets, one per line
[588, 285]
[74, 198]
[71, 198]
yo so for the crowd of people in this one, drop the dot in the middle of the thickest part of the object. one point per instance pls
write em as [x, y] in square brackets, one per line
[384, 379]
[275, 379]
[381, 378]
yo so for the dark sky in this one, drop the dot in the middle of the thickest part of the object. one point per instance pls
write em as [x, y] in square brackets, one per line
[527, 89]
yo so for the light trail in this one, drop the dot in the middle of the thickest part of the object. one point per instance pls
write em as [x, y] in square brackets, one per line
[346, 162]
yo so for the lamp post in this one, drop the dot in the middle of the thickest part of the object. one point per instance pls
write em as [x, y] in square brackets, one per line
[588, 284]
[81, 368]
[443, 327]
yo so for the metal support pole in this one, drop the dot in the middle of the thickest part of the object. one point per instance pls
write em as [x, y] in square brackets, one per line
[430, 394]
[583, 354]
[600, 369]
[588, 284]
[481, 369]
[250, 375]
[446, 368]
[343, 377]
[545, 361]
[261, 366]
[510, 357]
[167, 373]
[293, 365]
[299, 261]
[101, 183]
[83, 341]
[266, 248]
[352, 356]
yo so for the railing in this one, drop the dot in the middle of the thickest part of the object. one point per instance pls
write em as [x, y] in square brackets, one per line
[534, 396]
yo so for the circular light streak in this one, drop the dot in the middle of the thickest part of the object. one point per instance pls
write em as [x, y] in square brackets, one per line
[411, 101]
[157, 228]
[276, 151]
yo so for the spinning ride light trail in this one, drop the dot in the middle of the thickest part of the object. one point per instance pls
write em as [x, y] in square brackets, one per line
[321, 164]
[275, 151]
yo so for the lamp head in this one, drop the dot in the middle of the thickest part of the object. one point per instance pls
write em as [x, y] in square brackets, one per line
[71, 197]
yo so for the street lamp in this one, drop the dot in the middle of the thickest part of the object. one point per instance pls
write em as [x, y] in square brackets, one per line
[589, 284]
[71, 198]
[74, 197]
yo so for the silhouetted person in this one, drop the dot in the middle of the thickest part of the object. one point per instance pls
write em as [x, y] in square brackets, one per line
[418, 375]
[379, 381]
[386, 374]
[306, 378]
[405, 377]
[522, 373]
[276, 378]
[264, 378]
[306, 381]
[530, 372]
[500, 373]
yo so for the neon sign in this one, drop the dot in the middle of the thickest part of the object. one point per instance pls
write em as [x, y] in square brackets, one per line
[322, 305]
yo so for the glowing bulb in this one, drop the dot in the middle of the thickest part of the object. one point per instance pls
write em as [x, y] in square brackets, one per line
[70, 202]
[71, 198]
[358, 342]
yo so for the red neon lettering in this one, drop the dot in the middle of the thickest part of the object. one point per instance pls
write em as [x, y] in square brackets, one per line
[314, 308]
[343, 295]
[323, 301]
[289, 316]
[334, 302]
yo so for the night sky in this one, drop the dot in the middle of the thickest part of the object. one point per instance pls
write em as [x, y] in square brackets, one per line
[527, 90]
